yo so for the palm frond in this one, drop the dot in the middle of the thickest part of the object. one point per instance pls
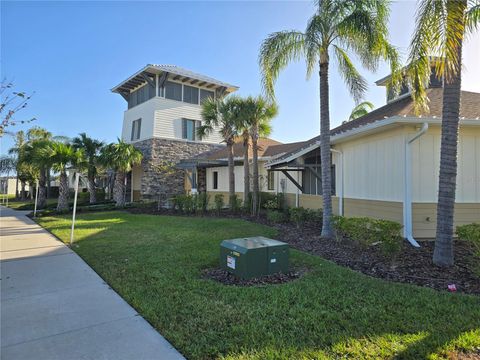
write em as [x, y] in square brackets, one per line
[276, 52]
[472, 20]
[356, 83]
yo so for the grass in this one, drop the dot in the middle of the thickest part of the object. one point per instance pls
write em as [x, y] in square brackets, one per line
[28, 204]
[155, 263]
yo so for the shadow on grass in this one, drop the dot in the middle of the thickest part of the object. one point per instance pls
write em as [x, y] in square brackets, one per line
[155, 263]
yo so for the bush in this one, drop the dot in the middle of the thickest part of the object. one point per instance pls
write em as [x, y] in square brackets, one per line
[84, 196]
[366, 232]
[202, 202]
[298, 215]
[471, 234]
[236, 204]
[276, 216]
[219, 202]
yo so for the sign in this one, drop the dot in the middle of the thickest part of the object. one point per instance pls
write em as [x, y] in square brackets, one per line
[231, 262]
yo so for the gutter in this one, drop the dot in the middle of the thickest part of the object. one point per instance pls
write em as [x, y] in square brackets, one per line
[407, 186]
[340, 195]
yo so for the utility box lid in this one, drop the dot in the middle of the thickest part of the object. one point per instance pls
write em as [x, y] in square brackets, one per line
[244, 244]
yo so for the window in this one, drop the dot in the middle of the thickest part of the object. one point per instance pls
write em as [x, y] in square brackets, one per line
[190, 94]
[141, 95]
[271, 180]
[136, 128]
[215, 180]
[204, 94]
[173, 91]
[189, 128]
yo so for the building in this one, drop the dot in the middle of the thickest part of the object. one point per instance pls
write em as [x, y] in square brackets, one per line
[385, 165]
[163, 112]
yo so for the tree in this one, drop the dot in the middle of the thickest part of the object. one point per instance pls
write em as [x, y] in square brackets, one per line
[339, 27]
[441, 27]
[120, 157]
[60, 156]
[38, 139]
[11, 103]
[256, 112]
[91, 149]
[221, 114]
[360, 110]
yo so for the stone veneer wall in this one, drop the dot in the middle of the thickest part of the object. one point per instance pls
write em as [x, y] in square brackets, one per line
[160, 178]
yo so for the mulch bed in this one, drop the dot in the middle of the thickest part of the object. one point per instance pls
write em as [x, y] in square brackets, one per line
[226, 278]
[412, 265]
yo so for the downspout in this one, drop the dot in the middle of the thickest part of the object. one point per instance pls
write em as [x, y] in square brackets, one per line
[407, 186]
[340, 194]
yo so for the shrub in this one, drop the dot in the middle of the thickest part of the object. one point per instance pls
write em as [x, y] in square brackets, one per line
[219, 202]
[471, 234]
[276, 216]
[365, 232]
[179, 202]
[298, 215]
[190, 204]
[236, 204]
[314, 215]
[202, 201]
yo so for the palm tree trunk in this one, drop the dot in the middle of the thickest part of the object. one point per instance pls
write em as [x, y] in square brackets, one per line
[119, 189]
[256, 186]
[16, 188]
[49, 194]
[42, 190]
[91, 189]
[325, 151]
[231, 175]
[63, 193]
[22, 195]
[447, 180]
[246, 174]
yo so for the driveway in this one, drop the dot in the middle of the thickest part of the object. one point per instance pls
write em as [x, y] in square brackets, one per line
[54, 306]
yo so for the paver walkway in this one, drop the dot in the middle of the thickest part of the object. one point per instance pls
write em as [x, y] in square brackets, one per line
[54, 306]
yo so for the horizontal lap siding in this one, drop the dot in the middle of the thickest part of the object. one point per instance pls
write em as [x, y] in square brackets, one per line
[387, 210]
[425, 217]
[168, 119]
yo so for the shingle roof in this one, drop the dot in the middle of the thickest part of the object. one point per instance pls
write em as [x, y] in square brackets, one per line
[469, 109]
[264, 144]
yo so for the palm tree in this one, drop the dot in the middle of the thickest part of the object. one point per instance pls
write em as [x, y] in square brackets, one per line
[120, 157]
[91, 149]
[441, 27]
[360, 110]
[338, 27]
[37, 139]
[257, 113]
[222, 114]
[60, 156]
[18, 151]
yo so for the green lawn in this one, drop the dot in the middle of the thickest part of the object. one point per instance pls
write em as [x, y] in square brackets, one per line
[28, 204]
[155, 263]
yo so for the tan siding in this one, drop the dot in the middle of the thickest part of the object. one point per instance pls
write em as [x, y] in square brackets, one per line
[425, 217]
[388, 210]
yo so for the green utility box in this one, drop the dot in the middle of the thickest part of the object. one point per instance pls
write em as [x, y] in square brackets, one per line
[252, 257]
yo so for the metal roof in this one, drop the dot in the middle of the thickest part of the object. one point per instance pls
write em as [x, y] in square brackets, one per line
[175, 73]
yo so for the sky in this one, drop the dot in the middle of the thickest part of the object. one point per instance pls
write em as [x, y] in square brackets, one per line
[70, 54]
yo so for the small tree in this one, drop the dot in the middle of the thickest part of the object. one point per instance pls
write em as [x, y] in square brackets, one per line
[91, 149]
[256, 112]
[120, 157]
[60, 156]
[221, 114]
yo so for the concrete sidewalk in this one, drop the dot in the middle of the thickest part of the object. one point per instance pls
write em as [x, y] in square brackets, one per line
[54, 306]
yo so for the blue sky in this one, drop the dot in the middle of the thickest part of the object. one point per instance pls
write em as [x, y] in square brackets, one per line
[71, 53]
